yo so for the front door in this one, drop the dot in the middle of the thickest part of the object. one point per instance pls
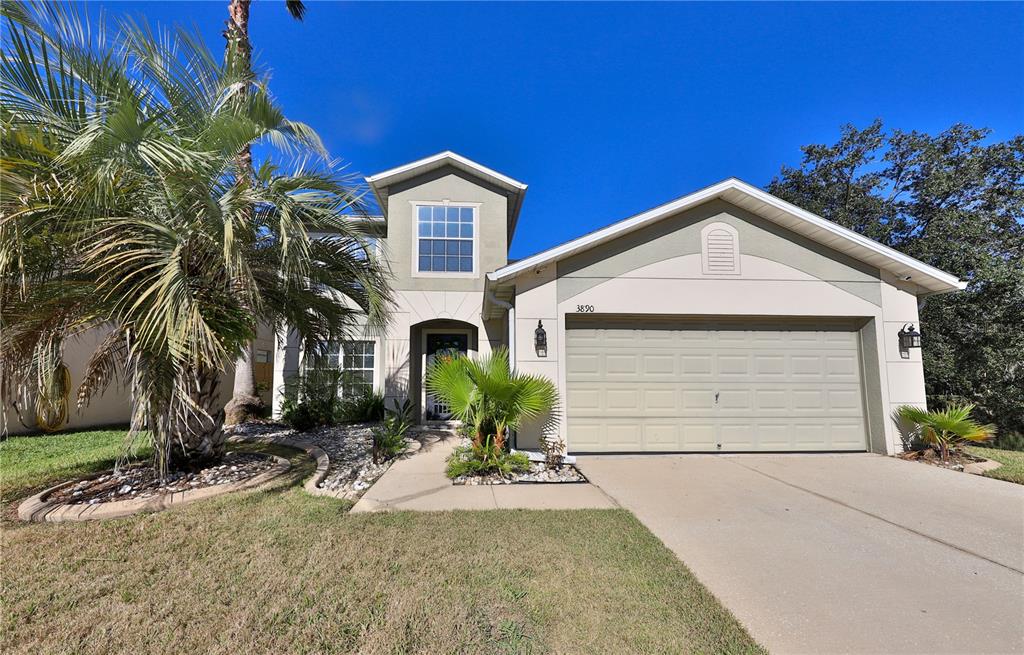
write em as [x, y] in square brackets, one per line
[443, 345]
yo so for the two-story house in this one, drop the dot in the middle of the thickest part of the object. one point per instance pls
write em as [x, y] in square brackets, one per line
[725, 320]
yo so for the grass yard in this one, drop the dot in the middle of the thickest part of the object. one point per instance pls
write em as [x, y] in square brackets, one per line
[1012, 469]
[279, 571]
[35, 462]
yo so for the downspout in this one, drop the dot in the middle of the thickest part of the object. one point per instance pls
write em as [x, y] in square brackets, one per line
[511, 326]
[511, 316]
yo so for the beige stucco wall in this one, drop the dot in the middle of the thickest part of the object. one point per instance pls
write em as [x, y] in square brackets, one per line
[658, 271]
[440, 186]
[112, 407]
[420, 312]
[424, 303]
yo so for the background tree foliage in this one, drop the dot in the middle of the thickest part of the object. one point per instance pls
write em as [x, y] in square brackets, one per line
[954, 200]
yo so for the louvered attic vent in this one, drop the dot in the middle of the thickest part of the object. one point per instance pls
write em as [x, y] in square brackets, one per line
[720, 252]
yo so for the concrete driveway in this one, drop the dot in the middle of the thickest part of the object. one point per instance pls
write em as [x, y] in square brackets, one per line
[839, 553]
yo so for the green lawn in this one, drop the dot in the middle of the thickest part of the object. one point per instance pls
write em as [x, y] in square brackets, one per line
[1012, 469]
[36, 462]
[279, 571]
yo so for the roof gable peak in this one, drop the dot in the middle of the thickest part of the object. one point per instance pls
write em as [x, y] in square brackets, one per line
[748, 197]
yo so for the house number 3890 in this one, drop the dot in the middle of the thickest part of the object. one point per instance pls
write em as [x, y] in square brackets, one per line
[585, 309]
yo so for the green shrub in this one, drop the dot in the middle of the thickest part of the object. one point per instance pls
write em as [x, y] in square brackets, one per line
[389, 436]
[1009, 441]
[484, 460]
[299, 416]
[362, 405]
[946, 429]
[311, 399]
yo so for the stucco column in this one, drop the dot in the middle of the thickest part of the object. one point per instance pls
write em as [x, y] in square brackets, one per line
[286, 364]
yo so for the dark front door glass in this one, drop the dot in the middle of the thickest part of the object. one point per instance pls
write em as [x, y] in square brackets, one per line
[441, 345]
[458, 343]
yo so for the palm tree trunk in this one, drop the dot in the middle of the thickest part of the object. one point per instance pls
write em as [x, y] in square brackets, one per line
[201, 439]
[245, 403]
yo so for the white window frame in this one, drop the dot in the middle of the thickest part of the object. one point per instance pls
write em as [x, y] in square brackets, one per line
[372, 369]
[340, 362]
[416, 272]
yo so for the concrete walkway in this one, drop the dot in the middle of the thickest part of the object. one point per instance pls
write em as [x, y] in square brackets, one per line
[418, 483]
[839, 553]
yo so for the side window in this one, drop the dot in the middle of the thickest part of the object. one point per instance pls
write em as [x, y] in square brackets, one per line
[354, 359]
[357, 363]
[720, 249]
[445, 239]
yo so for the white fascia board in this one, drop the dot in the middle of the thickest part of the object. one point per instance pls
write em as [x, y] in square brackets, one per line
[606, 233]
[850, 235]
[709, 193]
[381, 178]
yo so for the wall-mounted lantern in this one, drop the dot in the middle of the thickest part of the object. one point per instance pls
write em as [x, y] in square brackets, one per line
[540, 340]
[909, 337]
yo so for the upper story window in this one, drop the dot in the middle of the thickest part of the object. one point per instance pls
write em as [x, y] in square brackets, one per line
[445, 239]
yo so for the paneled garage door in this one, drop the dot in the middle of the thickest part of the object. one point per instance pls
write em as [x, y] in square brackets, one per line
[665, 386]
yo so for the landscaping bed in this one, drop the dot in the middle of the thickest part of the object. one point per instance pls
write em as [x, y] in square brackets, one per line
[349, 449]
[141, 481]
[956, 461]
[517, 467]
[539, 473]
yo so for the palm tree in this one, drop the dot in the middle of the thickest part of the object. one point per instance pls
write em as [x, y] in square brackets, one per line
[120, 209]
[945, 428]
[245, 401]
[485, 392]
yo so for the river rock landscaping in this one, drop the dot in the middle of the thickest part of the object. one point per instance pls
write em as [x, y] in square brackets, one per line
[957, 461]
[140, 481]
[349, 449]
[539, 472]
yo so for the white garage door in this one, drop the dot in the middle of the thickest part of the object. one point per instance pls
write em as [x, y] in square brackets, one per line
[663, 386]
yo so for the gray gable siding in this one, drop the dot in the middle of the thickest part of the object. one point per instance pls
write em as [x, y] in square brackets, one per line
[681, 234]
[456, 187]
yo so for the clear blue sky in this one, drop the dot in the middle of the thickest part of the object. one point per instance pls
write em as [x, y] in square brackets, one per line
[609, 109]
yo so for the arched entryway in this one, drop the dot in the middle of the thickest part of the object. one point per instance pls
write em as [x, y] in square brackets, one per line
[427, 340]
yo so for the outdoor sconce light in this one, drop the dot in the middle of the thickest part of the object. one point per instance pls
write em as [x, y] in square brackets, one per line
[909, 337]
[540, 340]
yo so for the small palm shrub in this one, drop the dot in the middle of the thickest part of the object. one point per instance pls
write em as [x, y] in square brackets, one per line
[485, 392]
[484, 459]
[389, 436]
[492, 399]
[945, 429]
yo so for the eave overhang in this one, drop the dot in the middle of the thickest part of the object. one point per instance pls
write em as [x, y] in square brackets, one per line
[761, 203]
[515, 190]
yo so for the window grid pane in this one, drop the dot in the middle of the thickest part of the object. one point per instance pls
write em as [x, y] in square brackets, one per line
[446, 238]
[358, 367]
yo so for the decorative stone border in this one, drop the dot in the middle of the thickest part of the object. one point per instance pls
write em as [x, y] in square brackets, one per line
[979, 468]
[39, 509]
[323, 462]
